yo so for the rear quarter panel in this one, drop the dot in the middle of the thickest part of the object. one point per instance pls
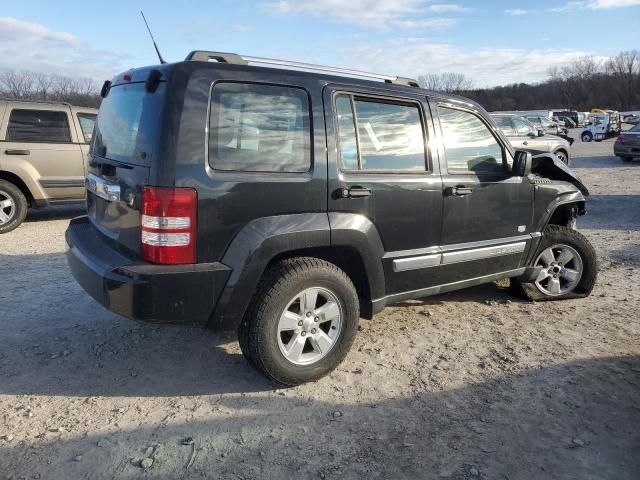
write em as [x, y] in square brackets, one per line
[228, 201]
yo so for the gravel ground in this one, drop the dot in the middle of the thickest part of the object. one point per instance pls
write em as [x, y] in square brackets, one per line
[472, 384]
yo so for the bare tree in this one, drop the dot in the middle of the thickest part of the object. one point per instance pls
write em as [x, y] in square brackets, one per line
[625, 69]
[27, 85]
[17, 84]
[448, 82]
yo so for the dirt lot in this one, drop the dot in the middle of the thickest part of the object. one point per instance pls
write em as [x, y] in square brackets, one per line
[473, 384]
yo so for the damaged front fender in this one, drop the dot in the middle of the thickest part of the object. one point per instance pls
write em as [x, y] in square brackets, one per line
[549, 166]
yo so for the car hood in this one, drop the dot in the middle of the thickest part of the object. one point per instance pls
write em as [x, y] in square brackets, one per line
[549, 166]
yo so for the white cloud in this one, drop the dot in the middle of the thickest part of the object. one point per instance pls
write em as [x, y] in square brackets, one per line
[31, 46]
[517, 11]
[412, 57]
[596, 5]
[403, 14]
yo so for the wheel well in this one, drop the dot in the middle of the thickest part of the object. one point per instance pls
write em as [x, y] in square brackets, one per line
[17, 181]
[347, 259]
[564, 215]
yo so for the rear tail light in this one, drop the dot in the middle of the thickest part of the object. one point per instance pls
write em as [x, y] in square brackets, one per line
[168, 221]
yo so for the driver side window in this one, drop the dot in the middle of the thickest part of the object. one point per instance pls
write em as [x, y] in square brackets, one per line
[523, 128]
[469, 144]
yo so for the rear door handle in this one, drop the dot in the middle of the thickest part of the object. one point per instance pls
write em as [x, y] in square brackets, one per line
[458, 191]
[525, 143]
[17, 152]
[357, 191]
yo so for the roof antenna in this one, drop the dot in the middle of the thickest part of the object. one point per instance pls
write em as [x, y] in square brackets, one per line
[152, 39]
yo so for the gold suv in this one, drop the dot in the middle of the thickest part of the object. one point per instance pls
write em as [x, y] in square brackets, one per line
[43, 149]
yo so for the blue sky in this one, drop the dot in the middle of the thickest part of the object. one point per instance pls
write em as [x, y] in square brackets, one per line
[493, 42]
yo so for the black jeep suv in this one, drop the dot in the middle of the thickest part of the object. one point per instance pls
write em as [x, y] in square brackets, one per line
[288, 200]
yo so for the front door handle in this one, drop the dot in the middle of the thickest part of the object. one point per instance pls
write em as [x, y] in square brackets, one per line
[458, 191]
[17, 152]
[357, 191]
[525, 143]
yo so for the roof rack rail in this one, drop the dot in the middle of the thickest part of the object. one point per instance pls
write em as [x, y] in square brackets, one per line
[235, 59]
[35, 100]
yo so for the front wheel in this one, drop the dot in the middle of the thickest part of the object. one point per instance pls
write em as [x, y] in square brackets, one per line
[301, 322]
[587, 137]
[568, 266]
[562, 156]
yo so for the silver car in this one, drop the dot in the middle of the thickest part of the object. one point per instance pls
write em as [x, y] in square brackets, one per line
[523, 135]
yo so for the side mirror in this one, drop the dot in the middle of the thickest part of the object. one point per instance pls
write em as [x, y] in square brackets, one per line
[540, 133]
[522, 163]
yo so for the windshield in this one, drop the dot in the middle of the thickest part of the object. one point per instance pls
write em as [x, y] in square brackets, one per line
[126, 128]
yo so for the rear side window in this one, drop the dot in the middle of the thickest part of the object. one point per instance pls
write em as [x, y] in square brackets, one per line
[389, 135]
[38, 126]
[87, 122]
[259, 128]
[470, 146]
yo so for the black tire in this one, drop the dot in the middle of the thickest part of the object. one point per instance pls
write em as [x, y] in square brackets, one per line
[626, 159]
[559, 235]
[563, 156]
[258, 332]
[17, 211]
[586, 137]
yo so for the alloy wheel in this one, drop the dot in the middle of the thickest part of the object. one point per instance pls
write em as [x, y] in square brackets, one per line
[561, 270]
[310, 325]
[7, 207]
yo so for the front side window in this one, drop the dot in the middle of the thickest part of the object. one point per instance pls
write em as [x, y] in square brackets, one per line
[38, 126]
[470, 146]
[389, 136]
[504, 124]
[523, 127]
[87, 122]
[259, 128]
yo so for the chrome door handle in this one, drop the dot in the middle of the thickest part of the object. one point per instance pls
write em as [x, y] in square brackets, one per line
[458, 191]
[357, 191]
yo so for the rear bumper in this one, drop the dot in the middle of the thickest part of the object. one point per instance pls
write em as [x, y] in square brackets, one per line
[172, 294]
[626, 151]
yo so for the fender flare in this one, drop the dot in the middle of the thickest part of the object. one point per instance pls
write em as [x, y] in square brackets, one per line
[251, 250]
[564, 199]
[263, 239]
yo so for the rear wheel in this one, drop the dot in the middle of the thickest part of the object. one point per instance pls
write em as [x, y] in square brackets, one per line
[587, 137]
[626, 159]
[13, 206]
[301, 322]
[568, 266]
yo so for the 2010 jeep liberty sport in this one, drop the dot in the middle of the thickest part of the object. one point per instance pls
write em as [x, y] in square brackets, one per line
[288, 202]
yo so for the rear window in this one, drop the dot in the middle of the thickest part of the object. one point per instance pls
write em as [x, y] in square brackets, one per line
[259, 128]
[126, 129]
[38, 126]
[87, 122]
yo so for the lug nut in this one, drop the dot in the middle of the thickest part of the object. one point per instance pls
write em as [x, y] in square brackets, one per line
[313, 330]
[317, 319]
[300, 323]
[308, 314]
[303, 333]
